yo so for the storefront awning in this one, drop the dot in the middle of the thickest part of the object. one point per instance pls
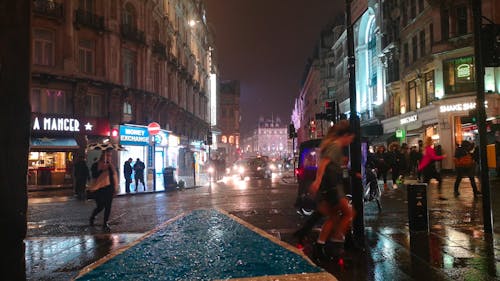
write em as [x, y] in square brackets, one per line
[46, 143]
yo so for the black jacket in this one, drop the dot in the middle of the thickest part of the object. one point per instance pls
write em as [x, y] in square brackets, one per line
[127, 169]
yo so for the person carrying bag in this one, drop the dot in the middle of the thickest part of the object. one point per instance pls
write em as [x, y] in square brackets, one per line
[104, 187]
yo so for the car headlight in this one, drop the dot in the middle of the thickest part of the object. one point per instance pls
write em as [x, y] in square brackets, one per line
[211, 170]
[241, 170]
[259, 168]
[272, 166]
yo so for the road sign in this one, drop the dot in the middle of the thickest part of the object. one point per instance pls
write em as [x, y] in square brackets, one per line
[154, 128]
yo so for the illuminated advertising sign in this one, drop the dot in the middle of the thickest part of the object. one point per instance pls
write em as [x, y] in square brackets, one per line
[131, 135]
[409, 119]
[68, 125]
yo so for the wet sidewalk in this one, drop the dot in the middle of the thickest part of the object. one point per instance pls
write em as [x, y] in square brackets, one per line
[205, 245]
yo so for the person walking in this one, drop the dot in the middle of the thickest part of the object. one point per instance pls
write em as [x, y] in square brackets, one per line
[420, 155]
[413, 165]
[82, 175]
[382, 164]
[427, 166]
[127, 173]
[139, 174]
[328, 184]
[464, 166]
[105, 186]
[395, 159]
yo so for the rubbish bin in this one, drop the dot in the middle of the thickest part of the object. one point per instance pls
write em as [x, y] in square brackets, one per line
[168, 178]
[418, 214]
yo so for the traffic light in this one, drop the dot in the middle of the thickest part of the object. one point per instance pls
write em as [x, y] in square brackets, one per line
[331, 110]
[209, 138]
[473, 115]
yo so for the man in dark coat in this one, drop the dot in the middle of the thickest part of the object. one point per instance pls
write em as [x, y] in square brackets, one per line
[127, 172]
[81, 176]
[139, 174]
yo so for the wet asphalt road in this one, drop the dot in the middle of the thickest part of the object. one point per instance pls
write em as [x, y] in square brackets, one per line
[60, 242]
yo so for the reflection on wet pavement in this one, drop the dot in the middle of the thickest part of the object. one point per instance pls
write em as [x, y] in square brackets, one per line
[60, 258]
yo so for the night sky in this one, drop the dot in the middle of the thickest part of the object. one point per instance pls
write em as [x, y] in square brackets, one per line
[265, 44]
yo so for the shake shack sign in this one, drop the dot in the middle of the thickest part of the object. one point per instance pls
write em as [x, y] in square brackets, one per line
[64, 125]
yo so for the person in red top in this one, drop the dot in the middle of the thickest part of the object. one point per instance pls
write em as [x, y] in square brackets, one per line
[427, 165]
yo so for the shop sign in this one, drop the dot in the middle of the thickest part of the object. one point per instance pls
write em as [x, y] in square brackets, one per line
[161, 139]
[457, 107]
[409, 119]
[401, 134]
[464, 71]
[64, 125]
[131, 135]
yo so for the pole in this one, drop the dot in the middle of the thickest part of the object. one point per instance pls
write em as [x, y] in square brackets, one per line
[154, 164]
[15, 83]
[355, 148]
[481, 118]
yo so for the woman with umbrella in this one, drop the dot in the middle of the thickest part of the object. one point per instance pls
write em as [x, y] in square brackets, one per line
[105, 186]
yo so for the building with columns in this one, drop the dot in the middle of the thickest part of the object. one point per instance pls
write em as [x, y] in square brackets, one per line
[229, 118]
[110, 63]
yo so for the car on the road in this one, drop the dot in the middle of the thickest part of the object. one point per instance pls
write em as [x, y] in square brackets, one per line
[257, 167]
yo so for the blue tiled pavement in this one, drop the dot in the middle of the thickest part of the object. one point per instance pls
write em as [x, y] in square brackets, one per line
[203, 245]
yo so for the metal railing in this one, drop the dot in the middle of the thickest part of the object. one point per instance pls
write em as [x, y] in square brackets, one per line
[48, 8]
[131, 33]
[88, 19]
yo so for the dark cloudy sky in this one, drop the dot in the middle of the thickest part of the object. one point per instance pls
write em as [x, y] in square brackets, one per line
[265, 44]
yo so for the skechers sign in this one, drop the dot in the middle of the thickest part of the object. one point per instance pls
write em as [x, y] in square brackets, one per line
[130, 135]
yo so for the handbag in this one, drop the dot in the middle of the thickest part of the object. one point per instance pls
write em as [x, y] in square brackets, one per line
[465, 161]
[101, 181]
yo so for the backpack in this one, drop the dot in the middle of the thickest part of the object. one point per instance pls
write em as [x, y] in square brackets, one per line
[464, 161]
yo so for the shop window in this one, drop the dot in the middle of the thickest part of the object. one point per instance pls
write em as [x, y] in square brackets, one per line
[43, 47]
[94, 105]
[461, 20]
[129, 68]
[459, 75]
[49, 101]
[86, 51]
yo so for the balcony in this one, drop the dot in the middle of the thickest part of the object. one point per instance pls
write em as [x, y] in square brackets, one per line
[159, 49]
[48, 8]
[88, 19]
[131, 33]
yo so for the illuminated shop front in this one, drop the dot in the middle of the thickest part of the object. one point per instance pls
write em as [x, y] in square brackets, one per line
[54, 144]
[135, 140]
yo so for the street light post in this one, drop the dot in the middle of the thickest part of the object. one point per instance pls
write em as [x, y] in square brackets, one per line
[355, 148]
[481, 118]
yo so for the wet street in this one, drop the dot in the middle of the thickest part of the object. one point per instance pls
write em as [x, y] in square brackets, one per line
[60, 241]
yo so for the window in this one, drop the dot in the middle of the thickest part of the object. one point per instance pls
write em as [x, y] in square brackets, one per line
[129, 15]
[445, 24]
[127, 111]
[404, 10]
[459, 75]
[86, 5]
[43, 47]
[420, 6]
[414, 48]
[406, 56]
[431, 34]
[461, 20]
[93, 105]
[422, 43]
[49, 101]
[86, 56]
[129, 68]
[412, 96]
[413, 9]
[429, 87]
[156, 78]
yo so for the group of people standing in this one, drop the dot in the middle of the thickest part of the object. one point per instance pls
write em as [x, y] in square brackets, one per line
[138, 170]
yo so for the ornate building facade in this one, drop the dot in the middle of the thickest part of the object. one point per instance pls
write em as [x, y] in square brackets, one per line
[122, 62]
